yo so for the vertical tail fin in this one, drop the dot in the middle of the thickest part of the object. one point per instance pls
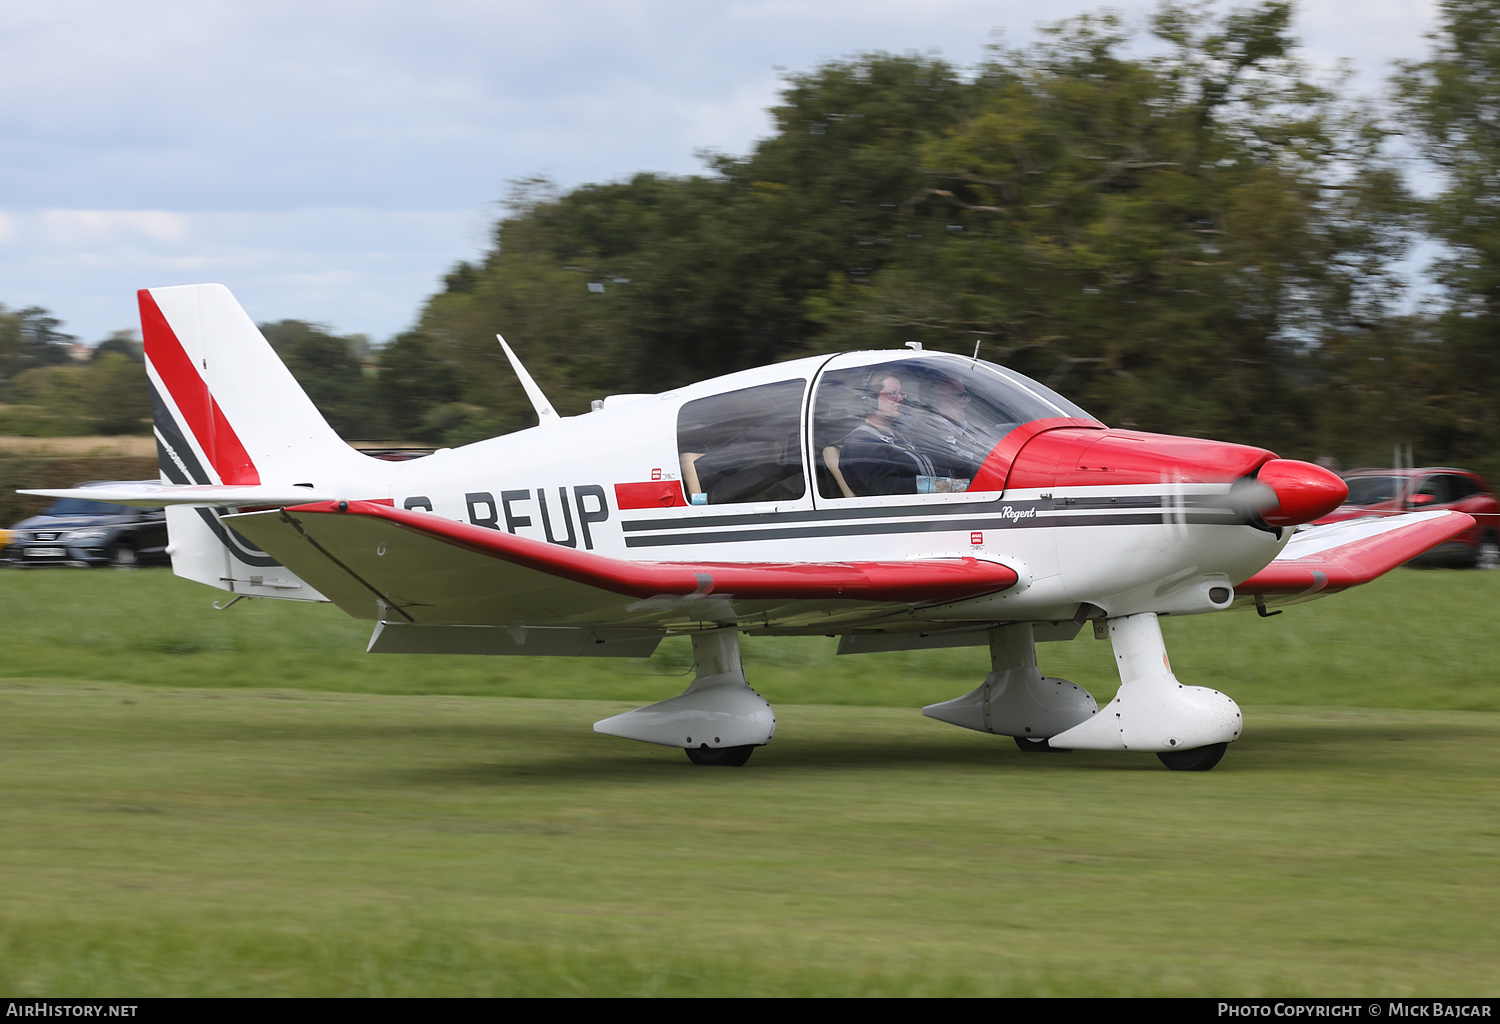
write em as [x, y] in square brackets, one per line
[227, 411]
[226, 408]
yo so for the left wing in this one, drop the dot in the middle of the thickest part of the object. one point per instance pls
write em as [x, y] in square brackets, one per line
[376, 561]
[1323, 560]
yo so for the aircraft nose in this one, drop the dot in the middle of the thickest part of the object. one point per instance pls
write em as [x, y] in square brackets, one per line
[1304, 492]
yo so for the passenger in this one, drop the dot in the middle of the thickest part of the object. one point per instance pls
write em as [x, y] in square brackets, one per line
[874, 459]
[943, 434]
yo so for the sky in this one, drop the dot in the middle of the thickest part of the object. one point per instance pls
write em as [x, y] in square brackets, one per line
[331, 161]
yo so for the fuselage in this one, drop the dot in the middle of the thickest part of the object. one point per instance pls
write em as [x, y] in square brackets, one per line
[739, 469]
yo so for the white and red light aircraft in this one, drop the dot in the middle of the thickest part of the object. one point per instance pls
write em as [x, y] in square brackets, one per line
[898, 500]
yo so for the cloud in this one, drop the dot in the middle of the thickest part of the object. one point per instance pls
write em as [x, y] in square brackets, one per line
[223, 138]
[364, 270]
[179, 104]
[74, 229]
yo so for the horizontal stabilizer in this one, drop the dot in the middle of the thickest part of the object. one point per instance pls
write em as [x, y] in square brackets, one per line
[1326, 559]
[206, 495]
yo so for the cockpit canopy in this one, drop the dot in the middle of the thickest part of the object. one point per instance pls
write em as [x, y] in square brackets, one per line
[879, 423]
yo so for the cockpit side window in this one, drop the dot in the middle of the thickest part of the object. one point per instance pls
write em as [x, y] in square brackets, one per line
[843, 399]
[743, 445]
[919, 425]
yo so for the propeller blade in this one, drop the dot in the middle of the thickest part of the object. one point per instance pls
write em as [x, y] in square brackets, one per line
[1250, 499]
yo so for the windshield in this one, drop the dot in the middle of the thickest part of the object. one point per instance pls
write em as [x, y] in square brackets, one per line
[919, 424]
[1373, 490]
[80, 507]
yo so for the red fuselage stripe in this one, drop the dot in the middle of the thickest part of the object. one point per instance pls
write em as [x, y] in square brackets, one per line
[650, 494]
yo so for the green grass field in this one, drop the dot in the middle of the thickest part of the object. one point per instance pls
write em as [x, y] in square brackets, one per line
[196, 802]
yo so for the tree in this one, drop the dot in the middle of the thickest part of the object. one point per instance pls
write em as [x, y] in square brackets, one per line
[1451, 105]
[29, 338]
[1167, 238]
[418, 389]
[119, 400]
[654, 282]
[123, 342]
[107, 395]
[1201, 240]
[331, 370]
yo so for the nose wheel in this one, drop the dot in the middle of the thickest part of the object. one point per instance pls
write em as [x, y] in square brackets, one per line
[1034, 745]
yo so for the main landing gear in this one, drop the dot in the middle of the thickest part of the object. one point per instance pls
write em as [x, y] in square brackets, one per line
[718, 720]
[1199, 759]
[728, 757]
[1187, 727]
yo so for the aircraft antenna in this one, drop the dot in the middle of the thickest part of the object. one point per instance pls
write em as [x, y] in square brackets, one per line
[545, 414]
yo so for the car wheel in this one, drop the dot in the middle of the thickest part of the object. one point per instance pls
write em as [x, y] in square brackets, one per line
[1489, 553]
[123, 556]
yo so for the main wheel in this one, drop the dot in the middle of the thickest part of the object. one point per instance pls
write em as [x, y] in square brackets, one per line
[123, 556]
[1199, 759]
[1037, 745]
[729, 757]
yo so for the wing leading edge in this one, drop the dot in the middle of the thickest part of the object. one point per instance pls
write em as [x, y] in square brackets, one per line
[1327, 559]
[376, 561]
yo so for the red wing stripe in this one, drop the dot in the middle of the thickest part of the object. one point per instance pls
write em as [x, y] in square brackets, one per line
[1354, 563]
[947, 579]
[209, 426]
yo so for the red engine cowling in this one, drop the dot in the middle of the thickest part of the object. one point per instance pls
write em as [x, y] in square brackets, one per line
[1068, 455]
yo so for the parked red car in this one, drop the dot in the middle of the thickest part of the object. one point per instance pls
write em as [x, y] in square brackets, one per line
[1388, 492]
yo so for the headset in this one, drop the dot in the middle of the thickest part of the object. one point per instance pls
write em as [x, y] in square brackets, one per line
[868, 393]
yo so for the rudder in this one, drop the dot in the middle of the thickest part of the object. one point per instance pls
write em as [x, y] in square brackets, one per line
[226, 410]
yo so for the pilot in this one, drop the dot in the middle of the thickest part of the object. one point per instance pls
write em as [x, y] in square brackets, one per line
[874, 458]
[942, 431]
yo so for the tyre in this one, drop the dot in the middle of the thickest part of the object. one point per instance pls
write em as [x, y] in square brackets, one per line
[728, 757]
[1032, 745]
[1199, 759]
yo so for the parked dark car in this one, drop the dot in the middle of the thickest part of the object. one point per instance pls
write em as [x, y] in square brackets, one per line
[73, 531]
[1388, 492]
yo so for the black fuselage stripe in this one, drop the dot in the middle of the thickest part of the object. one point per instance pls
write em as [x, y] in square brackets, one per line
[950, 525]
[1160, 504]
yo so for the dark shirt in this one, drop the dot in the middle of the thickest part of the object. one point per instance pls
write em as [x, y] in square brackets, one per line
[954, 449]
[880, 462]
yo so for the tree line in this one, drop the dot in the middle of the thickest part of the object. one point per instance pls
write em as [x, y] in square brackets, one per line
[1197, 236]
